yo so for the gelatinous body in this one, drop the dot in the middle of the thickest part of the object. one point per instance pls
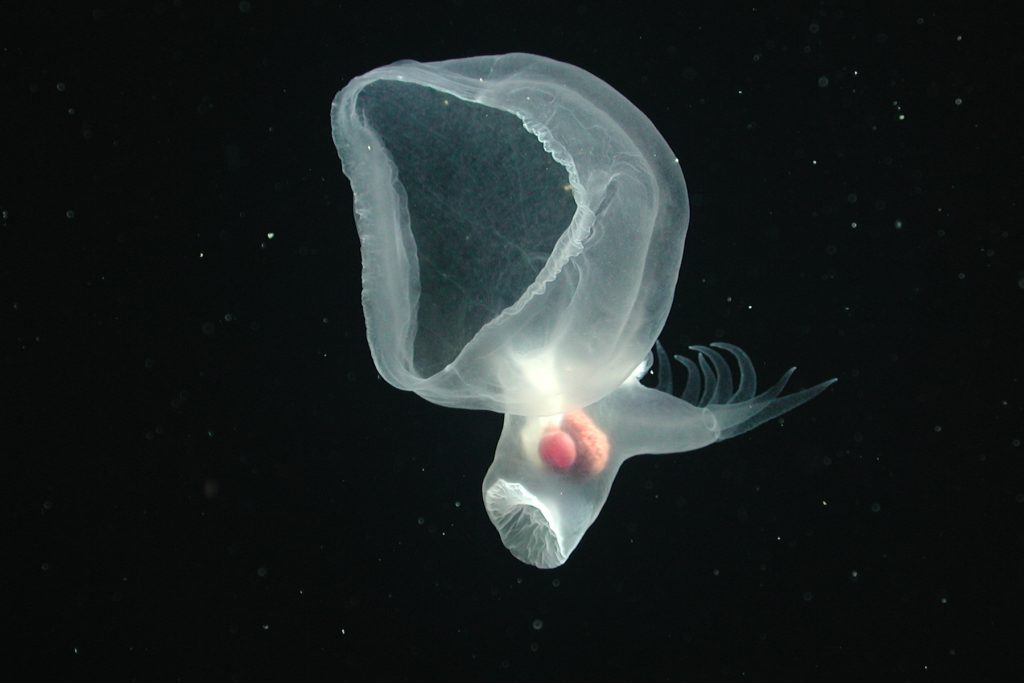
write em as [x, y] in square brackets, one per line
[522, 226]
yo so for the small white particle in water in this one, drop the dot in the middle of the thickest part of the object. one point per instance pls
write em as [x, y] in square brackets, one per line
[538, 624]
[270, 235]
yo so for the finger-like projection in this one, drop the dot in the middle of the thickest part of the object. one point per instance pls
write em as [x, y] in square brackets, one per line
[522, 227]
